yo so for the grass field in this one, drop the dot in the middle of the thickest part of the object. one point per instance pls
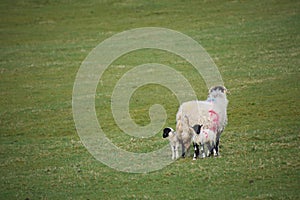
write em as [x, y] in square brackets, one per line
[255, 45]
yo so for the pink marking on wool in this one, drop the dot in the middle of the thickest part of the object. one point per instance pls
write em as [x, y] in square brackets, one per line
[215, 118]
[206, 134]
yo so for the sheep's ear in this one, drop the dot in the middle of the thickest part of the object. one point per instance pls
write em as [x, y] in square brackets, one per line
[227, 91]
[220, 88]
[166, 132]
[197, 128]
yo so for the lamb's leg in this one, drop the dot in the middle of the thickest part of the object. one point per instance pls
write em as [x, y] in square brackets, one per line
[196, 151]
[209, 148]
[213, 149]
[173, 152]
[215, 152]
[176, 151]
[202, 150]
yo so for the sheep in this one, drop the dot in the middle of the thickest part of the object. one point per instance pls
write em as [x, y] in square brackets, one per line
[185, 136]
[202, 137]
[212, 114]
[174, 141]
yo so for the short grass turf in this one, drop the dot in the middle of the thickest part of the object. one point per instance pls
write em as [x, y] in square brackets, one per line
[255, 45]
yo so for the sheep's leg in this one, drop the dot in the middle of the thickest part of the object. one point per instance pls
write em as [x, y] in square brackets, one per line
[213, 149]
[208, 149]
[217, 147]
[202, 150]
[215, 152]
[196, 151]
[173, 152]
[187, 148]
[183, 150]
[176, 152]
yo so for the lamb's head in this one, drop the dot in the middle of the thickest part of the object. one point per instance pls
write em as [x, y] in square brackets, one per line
[197, 128]
[167, 132]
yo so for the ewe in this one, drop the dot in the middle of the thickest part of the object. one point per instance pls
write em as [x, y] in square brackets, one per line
[212, 114]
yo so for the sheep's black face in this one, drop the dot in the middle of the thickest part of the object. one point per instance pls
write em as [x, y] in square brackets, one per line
[220, 88]
[197, 128]
[166, 132]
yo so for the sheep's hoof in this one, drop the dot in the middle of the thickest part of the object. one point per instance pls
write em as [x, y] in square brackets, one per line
[194, 158]
[215, 154]
[203, 156]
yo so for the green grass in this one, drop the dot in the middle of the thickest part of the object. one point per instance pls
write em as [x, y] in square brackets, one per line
[255, 44]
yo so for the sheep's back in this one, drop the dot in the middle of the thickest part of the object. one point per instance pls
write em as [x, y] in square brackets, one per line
[196, 111]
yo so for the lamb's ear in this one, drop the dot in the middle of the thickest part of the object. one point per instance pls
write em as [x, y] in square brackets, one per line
[166, 132]
[197, 128]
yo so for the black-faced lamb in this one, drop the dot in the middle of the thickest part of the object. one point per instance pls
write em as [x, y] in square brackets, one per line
[201, 138]
[174, 141]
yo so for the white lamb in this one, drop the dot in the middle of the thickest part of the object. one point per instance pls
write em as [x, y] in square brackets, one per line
[174, 141]
[204, 137]
[212, 114]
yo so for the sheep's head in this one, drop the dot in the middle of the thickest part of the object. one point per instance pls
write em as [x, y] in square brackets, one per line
[217, 92]
[167, 131]
[218, 88]
[197, 128]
